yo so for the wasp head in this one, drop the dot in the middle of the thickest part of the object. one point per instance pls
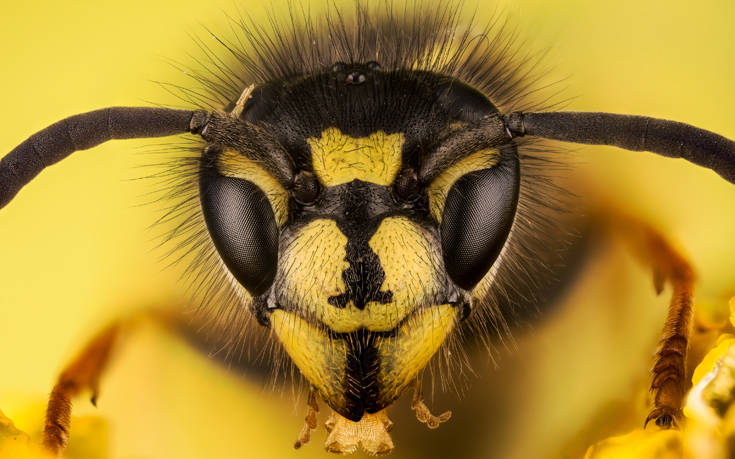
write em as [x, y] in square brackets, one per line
[363, 261]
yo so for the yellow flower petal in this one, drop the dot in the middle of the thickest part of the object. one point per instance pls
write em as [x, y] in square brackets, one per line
[89, 440]
[17, 444]
[710, 360]
[639, 444]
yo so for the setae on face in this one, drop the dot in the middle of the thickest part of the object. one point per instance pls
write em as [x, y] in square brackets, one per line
[76, 210]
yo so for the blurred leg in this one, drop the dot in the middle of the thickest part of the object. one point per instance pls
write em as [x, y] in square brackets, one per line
[83, 373]
[668, 385]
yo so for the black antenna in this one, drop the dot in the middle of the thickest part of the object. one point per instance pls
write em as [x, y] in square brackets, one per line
[637, 133]
[80, 132]
[489, 132]
[87, 130]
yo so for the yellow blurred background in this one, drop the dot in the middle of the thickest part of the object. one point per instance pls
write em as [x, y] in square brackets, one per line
[75, 253]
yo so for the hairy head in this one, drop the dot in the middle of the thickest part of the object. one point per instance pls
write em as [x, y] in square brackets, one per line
[365, 216]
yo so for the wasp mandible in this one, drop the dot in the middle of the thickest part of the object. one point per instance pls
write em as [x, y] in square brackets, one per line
[363, 190]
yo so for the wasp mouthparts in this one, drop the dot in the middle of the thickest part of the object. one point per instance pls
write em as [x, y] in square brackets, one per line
[371, 433]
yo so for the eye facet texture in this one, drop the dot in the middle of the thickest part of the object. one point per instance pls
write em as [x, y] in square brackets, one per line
[243, 228]
[478, 215]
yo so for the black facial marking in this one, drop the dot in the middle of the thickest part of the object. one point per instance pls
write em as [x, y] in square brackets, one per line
[362, 279]
[358, 208]
[362, 391]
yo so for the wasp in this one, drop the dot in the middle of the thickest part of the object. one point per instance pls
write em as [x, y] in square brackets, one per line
[365, 187]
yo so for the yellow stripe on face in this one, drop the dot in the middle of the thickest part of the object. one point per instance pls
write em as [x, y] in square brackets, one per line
[441, 185]
[338, 158]
[403, 356]
[311, 268]
[323, 360]
[312, 265]
[411, 260]
[320, 359]
[236, 165]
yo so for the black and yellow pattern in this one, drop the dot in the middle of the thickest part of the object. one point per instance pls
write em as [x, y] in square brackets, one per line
[364, 301]
[364, 290]
[361, 298]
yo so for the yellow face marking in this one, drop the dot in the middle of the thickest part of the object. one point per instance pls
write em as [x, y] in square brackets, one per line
[411, 264]
[312, 266]
[319, 359]
[338, 158]
[234, 164]
[403, 356]
[441, 185]
[324, 361]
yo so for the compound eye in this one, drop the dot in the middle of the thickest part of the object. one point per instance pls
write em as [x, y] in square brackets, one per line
[406, 187]
[477, 218]
[243, 228]
[305, 188]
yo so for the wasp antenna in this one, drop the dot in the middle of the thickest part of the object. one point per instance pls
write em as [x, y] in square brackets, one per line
[637, 133]
[254, 141]
[87, 130]
[489, 132]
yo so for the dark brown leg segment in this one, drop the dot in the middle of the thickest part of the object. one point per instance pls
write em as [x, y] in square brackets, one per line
[668, 386]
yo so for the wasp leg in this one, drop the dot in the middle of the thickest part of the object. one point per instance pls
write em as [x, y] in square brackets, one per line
[309, 420]
[423, 414]
[83, 373]
[669, 368]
